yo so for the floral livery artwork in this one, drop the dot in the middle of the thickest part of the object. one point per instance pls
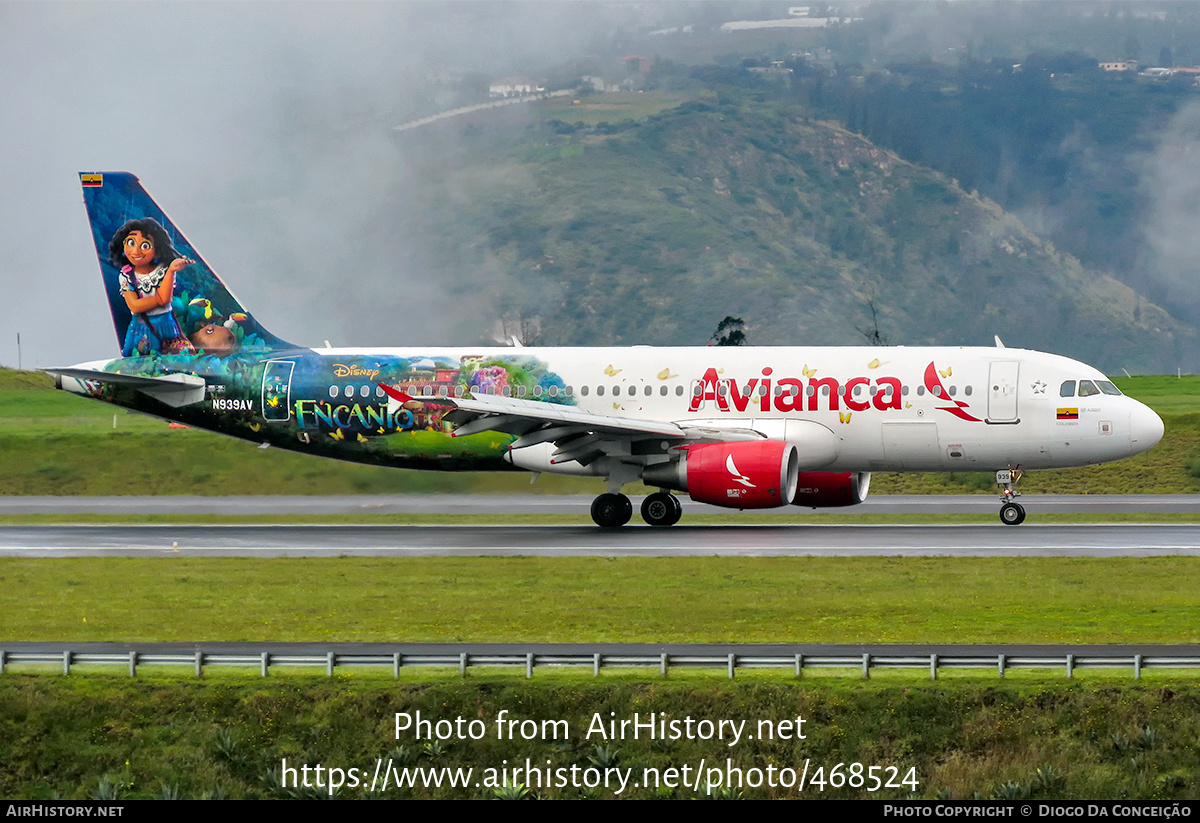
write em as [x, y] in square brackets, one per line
[334, 406]
[340, 401]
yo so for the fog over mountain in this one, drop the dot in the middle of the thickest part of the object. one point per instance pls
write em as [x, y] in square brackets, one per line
[267, 131]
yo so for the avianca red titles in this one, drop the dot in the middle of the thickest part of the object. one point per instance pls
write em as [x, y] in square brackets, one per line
[733, 427]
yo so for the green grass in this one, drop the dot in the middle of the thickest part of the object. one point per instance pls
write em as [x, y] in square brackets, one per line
[65, 737]
[678, 599]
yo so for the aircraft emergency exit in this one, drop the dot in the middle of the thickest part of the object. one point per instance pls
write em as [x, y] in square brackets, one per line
[738, 427]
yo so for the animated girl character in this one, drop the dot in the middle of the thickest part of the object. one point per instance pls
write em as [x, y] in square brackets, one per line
[148, 262]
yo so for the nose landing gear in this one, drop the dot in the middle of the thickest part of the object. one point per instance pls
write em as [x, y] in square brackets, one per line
[1012, 513]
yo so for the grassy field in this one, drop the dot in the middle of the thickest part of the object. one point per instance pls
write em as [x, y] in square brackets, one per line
[56, 443]
[647, 600]
[107, 738]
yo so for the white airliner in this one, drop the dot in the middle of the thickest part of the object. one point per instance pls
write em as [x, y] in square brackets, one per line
[738, 427]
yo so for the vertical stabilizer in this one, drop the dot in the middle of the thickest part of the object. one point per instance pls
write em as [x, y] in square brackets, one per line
[204, 316]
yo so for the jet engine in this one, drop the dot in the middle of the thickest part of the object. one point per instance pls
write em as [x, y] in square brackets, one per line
[828, 489]
[753, 474]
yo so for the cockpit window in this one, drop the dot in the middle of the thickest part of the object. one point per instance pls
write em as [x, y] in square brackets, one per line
[1108, 388]
[1067, 389]
[1087, 388]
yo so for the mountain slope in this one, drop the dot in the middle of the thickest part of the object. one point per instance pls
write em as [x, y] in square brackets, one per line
[651, 232]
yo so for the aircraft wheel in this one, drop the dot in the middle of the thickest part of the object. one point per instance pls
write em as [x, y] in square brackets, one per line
[662, 509]
[611, 511]
[1012, 514]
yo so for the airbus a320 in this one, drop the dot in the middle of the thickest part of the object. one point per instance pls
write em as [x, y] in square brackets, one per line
[737, 427]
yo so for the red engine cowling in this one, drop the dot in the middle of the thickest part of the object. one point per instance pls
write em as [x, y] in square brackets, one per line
[829, 489]
[756, 474]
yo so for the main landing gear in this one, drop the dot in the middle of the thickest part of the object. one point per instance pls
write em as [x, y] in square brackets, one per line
[1012, 513]
[611, 511]
[662, 509]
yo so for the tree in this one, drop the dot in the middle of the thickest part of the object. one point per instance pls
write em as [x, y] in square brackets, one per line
[729, 332]
[871, 333]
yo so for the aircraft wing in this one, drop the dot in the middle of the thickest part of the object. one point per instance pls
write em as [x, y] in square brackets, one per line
[174, 390]
[578, 435]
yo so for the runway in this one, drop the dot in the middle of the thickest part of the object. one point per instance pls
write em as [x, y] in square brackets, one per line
[572, 504]
[1030, 540]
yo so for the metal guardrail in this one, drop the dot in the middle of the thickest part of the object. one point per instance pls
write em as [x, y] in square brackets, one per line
[663, 662]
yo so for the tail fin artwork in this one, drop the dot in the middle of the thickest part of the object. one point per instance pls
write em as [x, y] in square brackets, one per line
[163, 296]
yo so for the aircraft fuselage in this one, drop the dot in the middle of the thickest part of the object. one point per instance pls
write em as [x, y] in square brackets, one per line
[887, 409]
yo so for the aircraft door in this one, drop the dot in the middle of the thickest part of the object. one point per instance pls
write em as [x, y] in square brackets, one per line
[1002, 391]
[277, 391]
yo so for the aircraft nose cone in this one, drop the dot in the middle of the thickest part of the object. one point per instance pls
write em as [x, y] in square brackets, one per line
[1145, 427]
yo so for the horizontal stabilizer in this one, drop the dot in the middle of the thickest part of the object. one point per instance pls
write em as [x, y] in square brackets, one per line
[174, 390]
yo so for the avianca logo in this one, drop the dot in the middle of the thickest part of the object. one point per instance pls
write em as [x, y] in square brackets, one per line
[737, 476]
[793, 394]
[934, 385]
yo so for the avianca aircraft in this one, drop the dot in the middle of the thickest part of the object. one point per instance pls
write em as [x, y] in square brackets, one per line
[742, 428]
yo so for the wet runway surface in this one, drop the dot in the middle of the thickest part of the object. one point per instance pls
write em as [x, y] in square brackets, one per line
[1031, 540]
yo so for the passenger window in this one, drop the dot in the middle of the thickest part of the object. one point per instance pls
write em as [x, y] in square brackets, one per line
[967, 391]
[583, 390]
[599, 391]
[679, 391]
[1087, 388]
[662, 390]
[904, 391]
[552, 391]
[650, 390]
[953, 390]
[1067, 389]
[920, 391]
[537, 391]
[333, 391]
